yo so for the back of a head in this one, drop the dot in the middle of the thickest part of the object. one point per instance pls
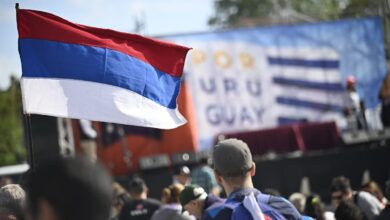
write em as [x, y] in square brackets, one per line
[137, 186]
[351, 82]
[75, 188]
[192, 192]
[341, 184]
[298, 200]
[232, 158]
[314, 207]
[5, 181]
[171, 194]
[373, 188]
[348, 211]
[12, 198]
[185, 171]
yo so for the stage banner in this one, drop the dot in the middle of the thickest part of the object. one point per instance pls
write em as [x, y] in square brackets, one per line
[253, 78]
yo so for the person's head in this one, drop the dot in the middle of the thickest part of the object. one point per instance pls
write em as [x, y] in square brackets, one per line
[192, 198]
[204, 160]
[314, 207]
[138, 188]
[171, 194]
[233, 165]
[184, 175]
[120, 198]
[298, 200]
[12, 198]
[351, 83]
[5, 181]
[69, 188]
[348, 211]
[373, 188]
[340, 190]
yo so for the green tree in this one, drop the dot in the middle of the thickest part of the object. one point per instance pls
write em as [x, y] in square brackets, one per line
[234, 13]
[12, 148]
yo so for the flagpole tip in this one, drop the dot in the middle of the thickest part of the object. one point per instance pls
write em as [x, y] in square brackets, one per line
[17, 6]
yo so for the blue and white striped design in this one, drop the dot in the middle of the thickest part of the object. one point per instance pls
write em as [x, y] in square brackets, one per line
[307, 84]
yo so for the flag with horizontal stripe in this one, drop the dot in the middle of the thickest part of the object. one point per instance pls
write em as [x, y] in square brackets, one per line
[261, 77]
[76, 71]
[307, 84]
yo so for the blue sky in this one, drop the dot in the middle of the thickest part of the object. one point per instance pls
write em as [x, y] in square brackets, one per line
[162, 17]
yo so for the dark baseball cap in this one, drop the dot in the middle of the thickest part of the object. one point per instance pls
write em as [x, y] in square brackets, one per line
[191, 192]
[232, 158]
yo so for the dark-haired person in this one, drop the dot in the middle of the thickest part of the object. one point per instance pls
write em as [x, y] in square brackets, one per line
[314, 207]
[139, 207]
[341, 191]
[203, 175]
[69, 188]
[348, 211]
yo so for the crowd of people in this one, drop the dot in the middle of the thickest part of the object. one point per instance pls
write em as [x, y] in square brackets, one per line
[78, 188]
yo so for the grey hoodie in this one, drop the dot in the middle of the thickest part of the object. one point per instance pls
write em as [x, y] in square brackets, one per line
[171, 212]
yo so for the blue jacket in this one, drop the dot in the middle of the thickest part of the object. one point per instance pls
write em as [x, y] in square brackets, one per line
[280, 204]
[211, 202]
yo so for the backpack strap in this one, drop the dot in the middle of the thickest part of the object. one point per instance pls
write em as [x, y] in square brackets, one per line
[252, 205]
[239, 211]
[278, 206]
[230, 204]
[266, 207]
[263, 198]
[356, 197]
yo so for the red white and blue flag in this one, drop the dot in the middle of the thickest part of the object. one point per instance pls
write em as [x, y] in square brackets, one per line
[76, 71]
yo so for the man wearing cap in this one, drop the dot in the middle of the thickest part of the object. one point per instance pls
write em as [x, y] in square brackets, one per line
[354, 107]
[196, 201]
[234, 168]
[183, 177]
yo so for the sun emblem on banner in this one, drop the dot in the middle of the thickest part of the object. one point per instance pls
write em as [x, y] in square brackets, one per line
[198, 56]
[222, 59]
[247, 61]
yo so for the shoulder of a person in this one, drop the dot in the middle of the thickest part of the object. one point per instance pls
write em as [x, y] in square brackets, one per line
[365, 195]
[153, 201]
[217, 213]
[213, 199]
[161, 213]
[184, 216]
[211, 204]
[329, 215]
[130, 203]
[284, 207]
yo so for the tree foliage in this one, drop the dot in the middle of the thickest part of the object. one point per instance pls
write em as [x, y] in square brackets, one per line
[233, 13]
[12, 148]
